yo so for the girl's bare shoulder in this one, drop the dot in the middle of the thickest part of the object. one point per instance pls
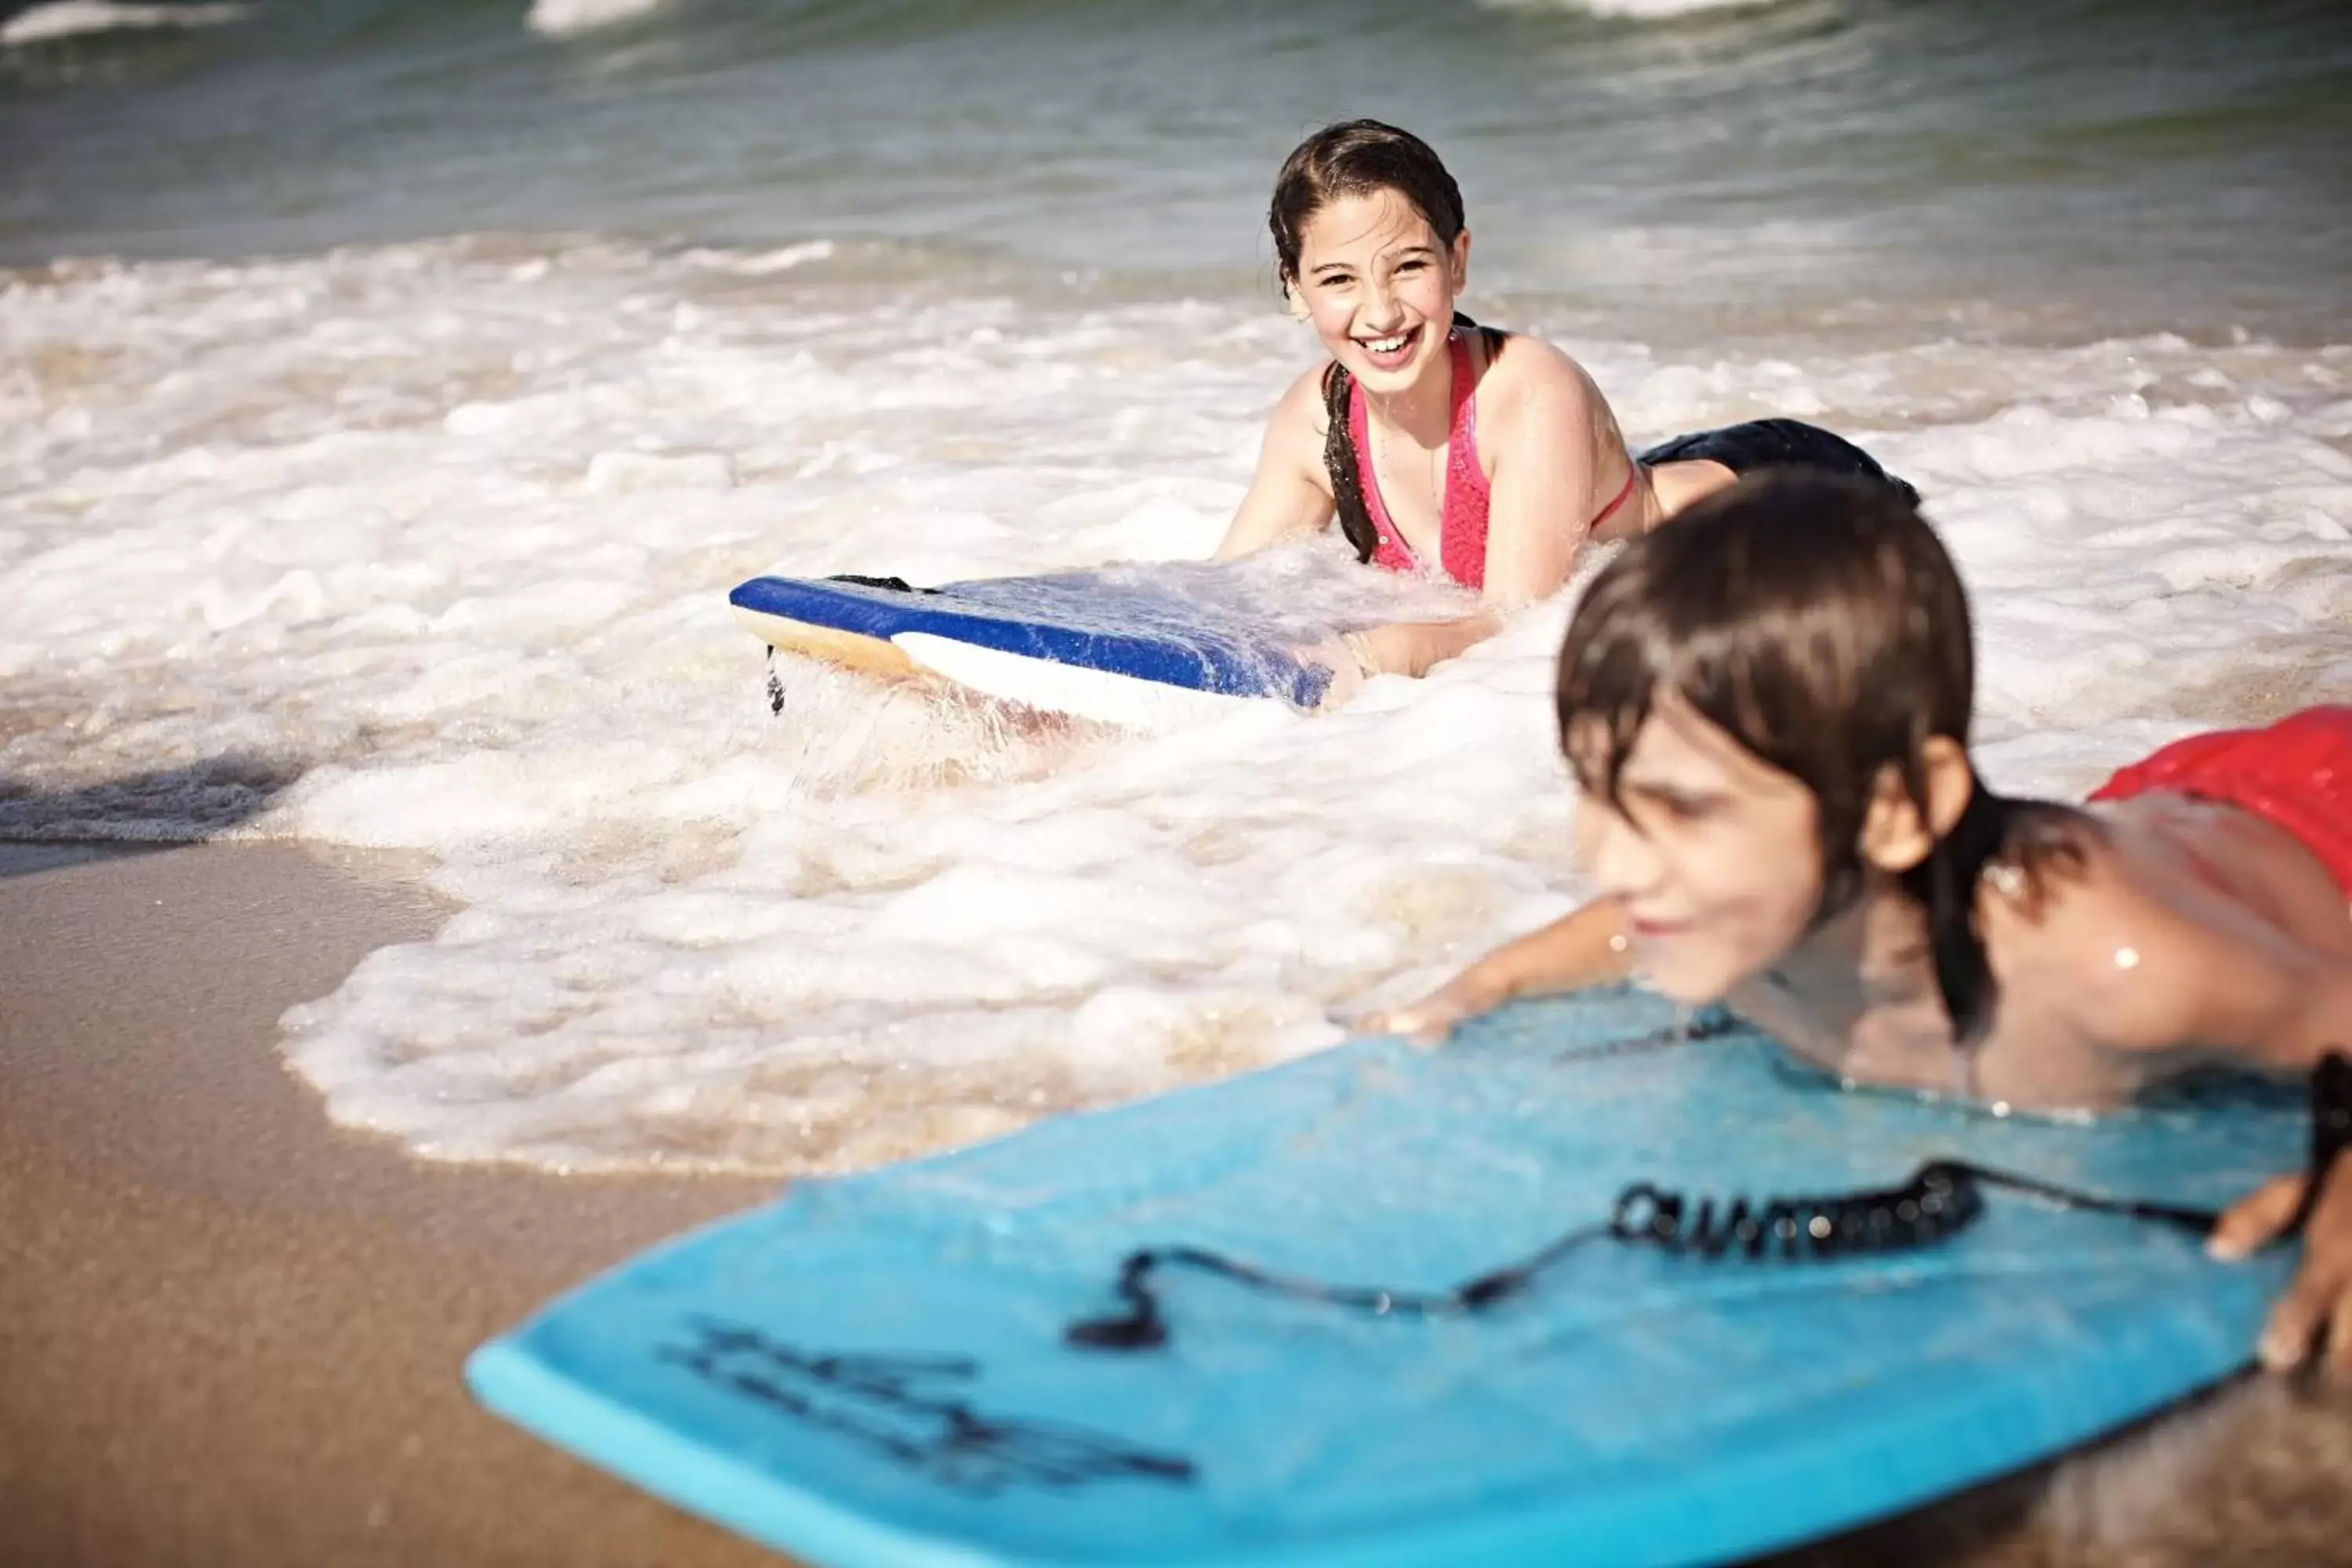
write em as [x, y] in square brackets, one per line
[1301, 415]
[1296, 431]
[1533, 389]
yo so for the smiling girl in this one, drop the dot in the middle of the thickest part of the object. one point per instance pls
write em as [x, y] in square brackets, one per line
[1766, 707]
[1440, 446]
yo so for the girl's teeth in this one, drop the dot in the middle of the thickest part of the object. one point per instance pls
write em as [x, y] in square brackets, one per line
[1387, 345]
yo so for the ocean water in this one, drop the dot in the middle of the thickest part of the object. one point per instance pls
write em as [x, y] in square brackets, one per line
[390, 394]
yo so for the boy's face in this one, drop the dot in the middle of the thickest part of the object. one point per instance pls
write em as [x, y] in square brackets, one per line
[1715, 855]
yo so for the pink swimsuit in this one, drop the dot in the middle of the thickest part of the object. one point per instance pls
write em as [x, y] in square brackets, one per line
[1462, 531]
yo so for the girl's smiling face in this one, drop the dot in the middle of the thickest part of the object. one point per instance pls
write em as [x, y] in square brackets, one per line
[1379, 285]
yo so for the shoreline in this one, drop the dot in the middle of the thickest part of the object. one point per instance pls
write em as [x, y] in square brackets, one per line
[235, 1331]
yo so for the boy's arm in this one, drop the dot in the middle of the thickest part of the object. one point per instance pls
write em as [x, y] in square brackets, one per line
[1580, 949]
[2292, 1016]
[2158, 977]
[2318, 1307]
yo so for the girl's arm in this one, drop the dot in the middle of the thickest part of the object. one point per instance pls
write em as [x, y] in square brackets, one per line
[1400, 647]
[1552, 446]
[1574, 952]
[1289, 494]
[1411, 647]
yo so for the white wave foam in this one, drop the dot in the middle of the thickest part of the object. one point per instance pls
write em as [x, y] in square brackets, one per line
[66, 18]
[447, 532]
[560, 18]
[1633, 10]
[760, 263]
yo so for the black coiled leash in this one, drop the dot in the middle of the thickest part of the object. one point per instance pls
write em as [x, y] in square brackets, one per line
[1943, 1198]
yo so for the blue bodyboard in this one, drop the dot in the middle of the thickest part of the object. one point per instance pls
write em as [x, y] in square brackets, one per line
[1131, 624]
[872, 1370]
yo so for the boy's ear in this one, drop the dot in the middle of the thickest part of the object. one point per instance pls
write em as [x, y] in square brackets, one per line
[1896, 832]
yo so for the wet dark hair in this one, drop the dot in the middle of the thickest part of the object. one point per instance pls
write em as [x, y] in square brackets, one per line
[1818, 619]
[1354, 158]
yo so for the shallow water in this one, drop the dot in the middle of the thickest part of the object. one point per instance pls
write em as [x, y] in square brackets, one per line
[380, 483]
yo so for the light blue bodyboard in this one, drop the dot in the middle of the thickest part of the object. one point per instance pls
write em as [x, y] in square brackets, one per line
[872, 1371]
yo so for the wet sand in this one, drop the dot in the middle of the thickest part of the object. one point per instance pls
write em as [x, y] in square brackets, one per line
[232, 1333]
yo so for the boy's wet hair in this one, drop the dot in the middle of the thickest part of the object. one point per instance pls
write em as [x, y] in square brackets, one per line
[1358, 158]
[1817, 619]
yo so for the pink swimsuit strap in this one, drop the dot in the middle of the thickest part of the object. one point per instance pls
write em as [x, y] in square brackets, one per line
[1462, 527]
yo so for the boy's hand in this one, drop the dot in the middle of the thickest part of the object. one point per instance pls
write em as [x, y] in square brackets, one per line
[1429, 1021]
[2318, 1305]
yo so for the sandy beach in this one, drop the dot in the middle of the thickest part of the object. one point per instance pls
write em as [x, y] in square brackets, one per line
[393, 396]
[234, 1332]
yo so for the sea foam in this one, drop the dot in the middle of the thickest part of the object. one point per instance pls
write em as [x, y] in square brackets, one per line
[427, 548]
[71, 18]
[560, 18]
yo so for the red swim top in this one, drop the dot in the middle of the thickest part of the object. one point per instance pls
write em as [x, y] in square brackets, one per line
[2296, 774]
[1461, 529]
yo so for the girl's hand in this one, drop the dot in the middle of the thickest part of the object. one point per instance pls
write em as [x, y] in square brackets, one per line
[1428, 1021]
[2318, 1307]
[1351, 661]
